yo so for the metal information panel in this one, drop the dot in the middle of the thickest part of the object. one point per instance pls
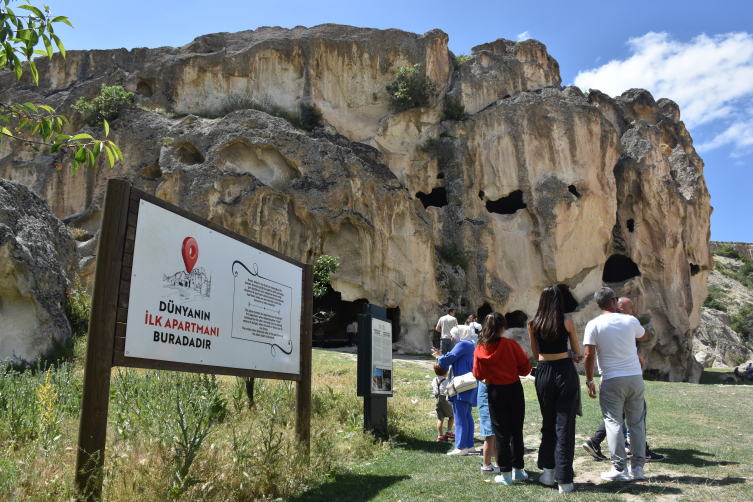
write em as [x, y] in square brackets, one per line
[381, 357]
[200, 297]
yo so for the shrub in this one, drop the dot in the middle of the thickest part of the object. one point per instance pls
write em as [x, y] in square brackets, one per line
[79, 233]
[712, 301]
[453, 255]
[112, 100]
[443, 151]
[458, 60]
[77, 308]
[410, 89]
[310, 116]
[453, 109]
[729, 251]
[307, 118]
[742, 322]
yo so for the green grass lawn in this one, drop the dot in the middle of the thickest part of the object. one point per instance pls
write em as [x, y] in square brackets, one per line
[705, 431]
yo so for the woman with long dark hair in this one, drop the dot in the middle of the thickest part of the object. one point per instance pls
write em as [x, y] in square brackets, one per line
[557, 386]
[499, 363]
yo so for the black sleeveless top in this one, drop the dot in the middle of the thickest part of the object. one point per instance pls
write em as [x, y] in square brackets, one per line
[558, 346]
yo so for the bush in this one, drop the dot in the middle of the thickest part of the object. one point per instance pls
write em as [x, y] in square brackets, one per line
[458, 60]
[307, 118]
[742, 322]
[729, 251]
[410, 89]
[107, 106]
[79, 233]
[712, 301]
[310, 115]
[453, 109]
[77, 308]
[443, 151]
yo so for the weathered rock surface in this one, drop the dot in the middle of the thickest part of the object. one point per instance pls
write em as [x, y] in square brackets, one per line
[716, 345]
[539, 185]
[37, 254]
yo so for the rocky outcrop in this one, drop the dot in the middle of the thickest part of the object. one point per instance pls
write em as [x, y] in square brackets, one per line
[539, 185]
[37, 254]
[716, 345]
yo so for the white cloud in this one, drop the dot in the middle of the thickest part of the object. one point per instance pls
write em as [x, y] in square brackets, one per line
[524, 36]
[710, 77]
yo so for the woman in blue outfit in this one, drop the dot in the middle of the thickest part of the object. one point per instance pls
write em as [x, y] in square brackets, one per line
[461, 360]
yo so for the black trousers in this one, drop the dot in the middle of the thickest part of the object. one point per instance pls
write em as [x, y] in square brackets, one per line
[557, 386]
[507, 411]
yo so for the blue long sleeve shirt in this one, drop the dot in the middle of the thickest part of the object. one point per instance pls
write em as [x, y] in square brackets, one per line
[461, 359]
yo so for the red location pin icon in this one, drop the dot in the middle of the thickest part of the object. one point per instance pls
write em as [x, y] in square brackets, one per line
[190, 253]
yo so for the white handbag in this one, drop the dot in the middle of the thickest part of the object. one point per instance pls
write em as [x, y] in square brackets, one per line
[460, 383]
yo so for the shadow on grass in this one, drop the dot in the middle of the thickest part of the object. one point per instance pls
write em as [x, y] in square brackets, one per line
[690, 457]
[631, 488]
[350, 488]
[697, 480]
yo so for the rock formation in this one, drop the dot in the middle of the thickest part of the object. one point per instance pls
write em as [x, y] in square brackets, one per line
[539, 185]
[37, 254]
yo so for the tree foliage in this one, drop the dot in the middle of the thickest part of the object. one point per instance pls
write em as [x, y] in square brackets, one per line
[325, 266]
[38, 125]
[410, 89]
[111, 100]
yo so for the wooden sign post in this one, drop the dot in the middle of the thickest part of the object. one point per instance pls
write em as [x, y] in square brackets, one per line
[173, 291]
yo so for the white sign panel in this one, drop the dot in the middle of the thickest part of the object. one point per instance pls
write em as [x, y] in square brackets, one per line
[381, 357]
[200, 297]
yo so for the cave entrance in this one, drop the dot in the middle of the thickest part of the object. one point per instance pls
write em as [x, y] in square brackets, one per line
[437, 198]
[506, 205]
[394, 316]
[516, 319]
[619, 268]
[569, 301]
[333, 333]
[483, 311]
[694, 269]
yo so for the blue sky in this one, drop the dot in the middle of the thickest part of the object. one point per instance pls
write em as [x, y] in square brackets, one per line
[697, 53]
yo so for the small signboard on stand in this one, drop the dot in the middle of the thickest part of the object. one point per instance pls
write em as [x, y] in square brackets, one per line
[375, 375]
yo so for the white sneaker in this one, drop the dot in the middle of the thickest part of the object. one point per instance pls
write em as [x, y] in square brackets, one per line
[490, 469]
[504, 478]
[615, 475]
[566, 488]
[636, 473]
[459, 451]
[472, 450]
[519, 474]
[548, 478]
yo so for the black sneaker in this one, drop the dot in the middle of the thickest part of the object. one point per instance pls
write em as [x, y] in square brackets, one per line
[653, 456]
[594, 450]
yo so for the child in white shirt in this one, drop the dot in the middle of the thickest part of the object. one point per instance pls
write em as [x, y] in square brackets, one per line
[441, 404]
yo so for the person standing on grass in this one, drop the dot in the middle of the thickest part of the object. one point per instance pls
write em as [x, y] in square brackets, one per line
[441, 405]
[444, 326]
[498, 364]
[351, 330]
[557, 387]
[485, 429]
[461, 359]
[610, 340]
[593, 445]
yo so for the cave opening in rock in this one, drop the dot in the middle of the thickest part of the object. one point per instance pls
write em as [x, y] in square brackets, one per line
[152, 172]
[333, 333]
[516, 319]
[483, 311]
[694, 269]
[393, 314]
[144, 88]
[619, 268]
[187, 154]
[570, 303]
[437, 198]
[573, 191]
[440, 176]
[630, 225]
[507, 205]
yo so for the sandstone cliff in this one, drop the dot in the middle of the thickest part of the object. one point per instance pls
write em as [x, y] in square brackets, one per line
[539, 185]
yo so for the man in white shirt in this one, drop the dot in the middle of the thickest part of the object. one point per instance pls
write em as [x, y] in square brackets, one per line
[475, 329]
[611, 339]
[351, 330]
[444, 326]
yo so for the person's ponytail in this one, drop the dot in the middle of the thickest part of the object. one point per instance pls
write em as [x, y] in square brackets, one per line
[494, 323]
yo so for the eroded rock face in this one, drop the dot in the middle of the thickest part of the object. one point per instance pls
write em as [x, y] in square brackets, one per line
[716, 344]
[37, 254]
[539, 185]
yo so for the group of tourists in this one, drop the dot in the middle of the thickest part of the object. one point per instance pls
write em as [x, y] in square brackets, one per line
[497, 363]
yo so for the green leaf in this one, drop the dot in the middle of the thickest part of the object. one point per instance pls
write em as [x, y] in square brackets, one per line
[55, 146]
[19, 68]
[118, 153]
[34, 71]
[107, 128]
[60, 45]
[80, 155]
[110, 157]
[40, 53]
[62, 137]
[5, 131]
[47, 45]
[90, 157]
[75, 167]
[31, 107]
[63, 19]
[97, 148]
[46, 108]
[81, 136]
[33, 9]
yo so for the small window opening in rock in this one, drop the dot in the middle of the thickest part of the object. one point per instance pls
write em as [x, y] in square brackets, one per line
[437, 198]
[570, 303]
[144, 88]
[694, 269]
[481, 195]
[630, 225]
[573, 191]
[483, 311]
[440, 176]
[187, 154]
[340, 313]
[393, 315]
[463, 303]
[507, 205]
[152, 172]
[619, 268]
[516, 319]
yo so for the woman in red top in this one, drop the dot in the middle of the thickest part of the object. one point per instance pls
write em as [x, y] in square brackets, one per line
[500, 362]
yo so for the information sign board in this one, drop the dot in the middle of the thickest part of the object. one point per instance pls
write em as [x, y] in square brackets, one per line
[381, 356]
